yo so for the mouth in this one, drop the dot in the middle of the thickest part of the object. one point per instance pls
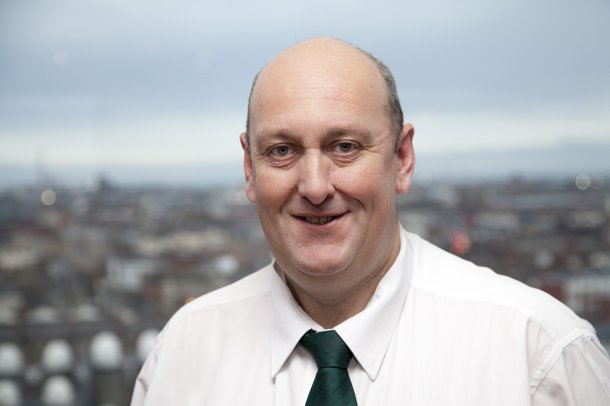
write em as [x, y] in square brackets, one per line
[319, 220]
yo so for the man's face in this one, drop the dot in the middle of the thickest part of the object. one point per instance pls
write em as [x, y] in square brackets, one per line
[321, 167]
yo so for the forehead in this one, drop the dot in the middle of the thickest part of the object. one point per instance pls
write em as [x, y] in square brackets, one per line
[331, 79]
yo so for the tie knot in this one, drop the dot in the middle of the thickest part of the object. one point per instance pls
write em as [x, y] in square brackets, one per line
[327, 348]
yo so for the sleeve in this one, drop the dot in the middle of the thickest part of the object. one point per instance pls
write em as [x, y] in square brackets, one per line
[146, 374]
[579, 377]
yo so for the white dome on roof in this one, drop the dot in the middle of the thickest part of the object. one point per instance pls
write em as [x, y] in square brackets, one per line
[10, 393]
[11, 359]
[226, 265]
[106, 351]
[146, 341]
[57, 356]
[58, 391]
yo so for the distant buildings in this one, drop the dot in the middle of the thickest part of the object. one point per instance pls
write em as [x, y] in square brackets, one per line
[88, 276]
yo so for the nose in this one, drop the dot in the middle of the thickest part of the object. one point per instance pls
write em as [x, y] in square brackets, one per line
[314, 177]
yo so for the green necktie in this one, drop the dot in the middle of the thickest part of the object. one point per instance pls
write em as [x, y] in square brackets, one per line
[331, 386]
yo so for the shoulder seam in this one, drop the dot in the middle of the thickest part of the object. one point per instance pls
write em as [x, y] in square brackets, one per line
[547, 364]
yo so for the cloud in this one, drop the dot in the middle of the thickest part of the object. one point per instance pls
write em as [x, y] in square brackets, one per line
[107, 80]
[145, 140]
[494, 130]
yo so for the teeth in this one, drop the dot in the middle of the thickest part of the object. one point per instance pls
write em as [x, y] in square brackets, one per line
[318, 220]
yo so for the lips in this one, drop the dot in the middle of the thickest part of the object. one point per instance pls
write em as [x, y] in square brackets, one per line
[319, 220]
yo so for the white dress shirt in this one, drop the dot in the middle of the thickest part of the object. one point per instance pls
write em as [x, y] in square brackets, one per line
[438, 331]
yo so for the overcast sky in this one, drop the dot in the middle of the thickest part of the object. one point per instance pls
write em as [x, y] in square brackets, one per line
[161, 82]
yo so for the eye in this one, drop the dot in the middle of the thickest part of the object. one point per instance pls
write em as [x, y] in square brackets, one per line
[281, 150]
[345, 147]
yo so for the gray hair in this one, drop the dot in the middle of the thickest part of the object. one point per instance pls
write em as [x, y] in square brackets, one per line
[393, 102]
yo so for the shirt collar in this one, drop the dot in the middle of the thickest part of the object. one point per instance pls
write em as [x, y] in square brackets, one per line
[289, 323]
[368, 334]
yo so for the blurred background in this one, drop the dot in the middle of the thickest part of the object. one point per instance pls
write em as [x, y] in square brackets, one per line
[120, 176]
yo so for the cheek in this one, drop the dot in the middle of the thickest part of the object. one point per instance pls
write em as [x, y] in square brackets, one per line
[271, 190]
[367, 183]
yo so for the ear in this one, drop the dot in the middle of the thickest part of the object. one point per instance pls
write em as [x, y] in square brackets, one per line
[405, 159]
[248, 171]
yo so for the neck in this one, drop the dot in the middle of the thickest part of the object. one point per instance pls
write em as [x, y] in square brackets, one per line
[332, 311]
[330, 301]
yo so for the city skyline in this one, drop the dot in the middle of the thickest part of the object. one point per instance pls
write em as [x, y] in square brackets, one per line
[565, 161]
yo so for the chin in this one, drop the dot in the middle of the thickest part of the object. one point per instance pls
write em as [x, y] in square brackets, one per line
[321, 267]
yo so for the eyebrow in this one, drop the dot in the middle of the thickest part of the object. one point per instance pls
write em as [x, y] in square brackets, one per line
[275, 135]
[333, 132]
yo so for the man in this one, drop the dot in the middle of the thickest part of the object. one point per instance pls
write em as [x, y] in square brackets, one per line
[353, 309]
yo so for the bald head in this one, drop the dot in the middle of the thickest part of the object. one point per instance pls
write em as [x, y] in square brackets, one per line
[318, 59]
